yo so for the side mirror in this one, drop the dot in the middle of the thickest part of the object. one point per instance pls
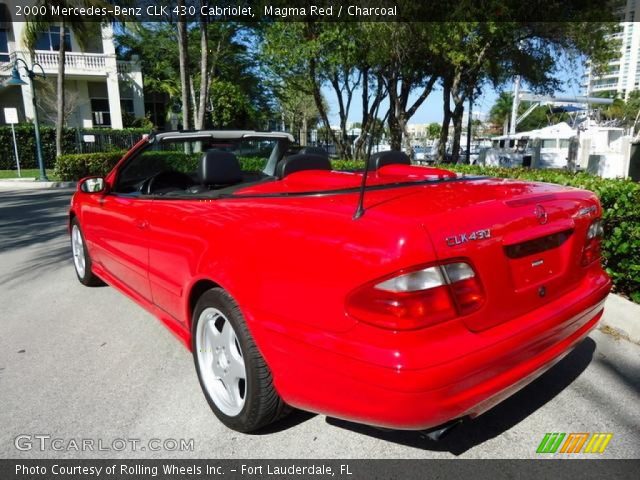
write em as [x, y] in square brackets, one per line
[92, 185]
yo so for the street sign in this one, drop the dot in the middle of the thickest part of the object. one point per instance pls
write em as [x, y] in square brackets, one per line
[11, 115]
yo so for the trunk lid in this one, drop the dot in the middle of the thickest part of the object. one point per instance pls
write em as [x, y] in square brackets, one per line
[524, 239]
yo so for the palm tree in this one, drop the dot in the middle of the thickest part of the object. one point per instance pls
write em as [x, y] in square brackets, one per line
[501, 110]
[83, 31]
[183, 53]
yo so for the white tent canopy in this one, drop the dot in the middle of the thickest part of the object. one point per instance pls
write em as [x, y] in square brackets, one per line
[560, 130]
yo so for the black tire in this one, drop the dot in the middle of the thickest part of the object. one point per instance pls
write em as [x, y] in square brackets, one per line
[87, 277]
[262, 404]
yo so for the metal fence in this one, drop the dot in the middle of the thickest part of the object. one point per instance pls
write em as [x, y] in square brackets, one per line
[92, 141]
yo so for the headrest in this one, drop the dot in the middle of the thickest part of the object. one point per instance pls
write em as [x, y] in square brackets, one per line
[314, 151]
[302, 161]
[219, 168]
[380, 159]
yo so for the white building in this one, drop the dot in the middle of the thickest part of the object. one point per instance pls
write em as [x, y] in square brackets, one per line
[623, 74]
[99, 88]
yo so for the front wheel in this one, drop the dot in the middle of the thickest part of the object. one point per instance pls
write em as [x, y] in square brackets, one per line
[81, 258]
[233, 375]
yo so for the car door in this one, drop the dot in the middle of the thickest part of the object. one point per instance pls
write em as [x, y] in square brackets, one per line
[120, 231]
[118, 222]
[175, 247]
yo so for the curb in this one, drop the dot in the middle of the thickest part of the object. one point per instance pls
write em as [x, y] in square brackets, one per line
[29, 183]
[623, 317]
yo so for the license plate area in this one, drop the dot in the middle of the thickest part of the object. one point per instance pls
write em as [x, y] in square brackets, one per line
[533, 262]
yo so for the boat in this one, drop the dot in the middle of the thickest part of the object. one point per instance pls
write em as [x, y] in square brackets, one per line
[601, 150]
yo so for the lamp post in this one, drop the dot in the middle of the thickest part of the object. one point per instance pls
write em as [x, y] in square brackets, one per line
[15, 80]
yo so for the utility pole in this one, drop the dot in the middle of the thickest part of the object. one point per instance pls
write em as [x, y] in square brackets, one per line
[514, 106]
[469, 130]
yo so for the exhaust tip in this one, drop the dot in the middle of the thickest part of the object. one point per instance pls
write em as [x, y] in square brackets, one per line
[438, 433]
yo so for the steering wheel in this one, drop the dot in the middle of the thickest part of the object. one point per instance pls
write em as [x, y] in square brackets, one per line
[166, 179]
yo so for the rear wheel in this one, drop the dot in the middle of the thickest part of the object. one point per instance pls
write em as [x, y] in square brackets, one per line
[81, 258]
[233, 375]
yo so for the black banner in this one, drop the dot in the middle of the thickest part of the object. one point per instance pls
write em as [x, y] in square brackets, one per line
[319, 10]
[321, 469]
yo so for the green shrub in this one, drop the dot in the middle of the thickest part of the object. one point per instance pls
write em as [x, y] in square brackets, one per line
[106, 140]
[76, 166]
[26, 140]
[347, 165]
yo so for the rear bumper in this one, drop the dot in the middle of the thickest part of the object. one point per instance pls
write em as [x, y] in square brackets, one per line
[481, 370]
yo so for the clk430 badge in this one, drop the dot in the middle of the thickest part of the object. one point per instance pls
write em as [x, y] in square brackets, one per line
[461, 238]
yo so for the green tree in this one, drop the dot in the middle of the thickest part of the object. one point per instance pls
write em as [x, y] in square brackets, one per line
[298, 107]
[83, 30]
[228, 60]
[433, 130]
[183, 59]
[500, 114]
[632, 111]
[230, 106]
[494, 52]
[156, 46]
[405, 57]
[311, 55]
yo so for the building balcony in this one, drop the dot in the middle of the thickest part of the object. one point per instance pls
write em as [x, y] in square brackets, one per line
[76, 64]
[603, 87]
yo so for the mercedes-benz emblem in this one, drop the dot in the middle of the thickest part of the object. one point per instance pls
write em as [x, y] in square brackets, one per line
[541, 215]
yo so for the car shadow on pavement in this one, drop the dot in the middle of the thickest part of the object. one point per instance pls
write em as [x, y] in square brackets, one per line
[296, 417]
[42, 260]
[497, 420]
[32, 217]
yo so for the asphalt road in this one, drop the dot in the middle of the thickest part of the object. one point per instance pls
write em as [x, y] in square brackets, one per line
[87, 363]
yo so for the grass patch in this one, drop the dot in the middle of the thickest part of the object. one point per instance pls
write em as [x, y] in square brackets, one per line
[28, 173]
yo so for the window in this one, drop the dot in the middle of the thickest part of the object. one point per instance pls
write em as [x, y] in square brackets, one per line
[564, 143]
[126, 105]
[50, 40]
[549, 143]
[100, 112]
[175, 165]
[4, 46]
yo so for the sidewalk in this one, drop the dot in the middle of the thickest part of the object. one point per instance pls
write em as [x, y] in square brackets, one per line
[30, 183]
[623, 317]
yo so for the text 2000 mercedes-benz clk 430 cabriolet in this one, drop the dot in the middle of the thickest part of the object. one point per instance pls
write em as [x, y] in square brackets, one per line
[401, 296]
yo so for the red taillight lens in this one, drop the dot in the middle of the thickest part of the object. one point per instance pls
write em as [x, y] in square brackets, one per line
[592, 250]
[468, 295]
[418, 298]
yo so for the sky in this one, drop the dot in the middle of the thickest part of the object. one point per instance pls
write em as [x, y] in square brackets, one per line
[431, 109]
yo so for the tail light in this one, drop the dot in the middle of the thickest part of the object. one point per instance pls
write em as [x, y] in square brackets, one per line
[592, 250]
[418, 298]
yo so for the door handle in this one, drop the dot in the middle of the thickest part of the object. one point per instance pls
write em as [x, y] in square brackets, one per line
[142, 224]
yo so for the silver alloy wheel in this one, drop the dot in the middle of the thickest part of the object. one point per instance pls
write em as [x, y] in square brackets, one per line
[221, 361]
[77, 246]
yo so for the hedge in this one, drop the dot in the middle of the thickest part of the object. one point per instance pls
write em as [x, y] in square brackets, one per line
[71, 143]
[620, 200]
[26, 140]
[76, 166]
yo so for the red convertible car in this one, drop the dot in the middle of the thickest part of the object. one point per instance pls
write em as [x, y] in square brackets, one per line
[402, 296]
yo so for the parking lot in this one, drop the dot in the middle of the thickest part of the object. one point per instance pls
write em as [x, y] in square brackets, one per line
[88, 363]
